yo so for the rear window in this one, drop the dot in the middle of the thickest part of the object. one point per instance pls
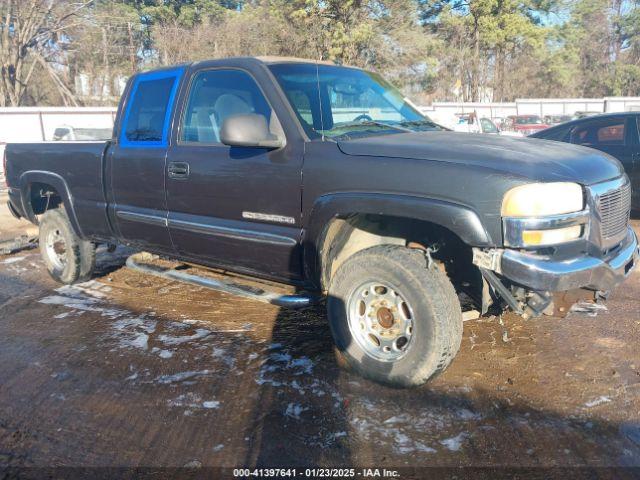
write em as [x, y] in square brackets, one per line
[147, 114]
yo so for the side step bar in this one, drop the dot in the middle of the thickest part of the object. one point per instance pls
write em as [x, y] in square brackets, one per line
[281, 300]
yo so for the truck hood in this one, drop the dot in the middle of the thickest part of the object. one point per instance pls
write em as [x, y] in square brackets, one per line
[534, 159]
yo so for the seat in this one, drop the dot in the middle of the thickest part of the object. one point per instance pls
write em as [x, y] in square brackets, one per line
[228, 105]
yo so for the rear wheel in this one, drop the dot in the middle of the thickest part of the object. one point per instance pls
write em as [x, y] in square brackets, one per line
[68, 258]
[394, 319]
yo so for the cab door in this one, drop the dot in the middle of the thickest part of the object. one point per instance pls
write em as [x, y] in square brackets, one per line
[234, 207]
[137, 162]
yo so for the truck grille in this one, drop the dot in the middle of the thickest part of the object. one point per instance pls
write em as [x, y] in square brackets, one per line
[614, 207]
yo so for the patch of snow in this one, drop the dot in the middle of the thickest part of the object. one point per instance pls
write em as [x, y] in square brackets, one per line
[211, 404]
[165, 354]
[12, 260]
[597, 401]
[174, 340]
[465, 414]
[294, 410]
[180, 377]
[141, 340]
[218, 447]
[304, 364]
[454, 443]
[190, 400]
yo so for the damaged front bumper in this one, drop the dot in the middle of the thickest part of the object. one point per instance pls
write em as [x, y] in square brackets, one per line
[544, 273]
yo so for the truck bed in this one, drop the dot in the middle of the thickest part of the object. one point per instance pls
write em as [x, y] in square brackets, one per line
[75, 166]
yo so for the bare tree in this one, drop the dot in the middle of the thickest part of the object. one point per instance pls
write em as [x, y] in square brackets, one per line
[29, 36]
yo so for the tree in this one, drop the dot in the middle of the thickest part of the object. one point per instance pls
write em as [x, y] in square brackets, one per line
[31, 35]
[487, 37]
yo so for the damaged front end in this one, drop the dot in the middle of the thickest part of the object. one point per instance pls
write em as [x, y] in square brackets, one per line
[536, 279]
[529, 284]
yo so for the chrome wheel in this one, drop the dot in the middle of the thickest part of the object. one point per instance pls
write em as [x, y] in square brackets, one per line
[56, 249]
[380, 321]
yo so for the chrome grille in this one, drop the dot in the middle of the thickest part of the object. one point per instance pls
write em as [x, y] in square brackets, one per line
[614, 207]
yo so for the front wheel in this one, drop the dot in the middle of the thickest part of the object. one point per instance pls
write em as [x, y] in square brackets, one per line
[394, 320]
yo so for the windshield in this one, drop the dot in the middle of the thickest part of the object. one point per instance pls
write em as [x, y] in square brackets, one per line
[529, 120]
[342, 102]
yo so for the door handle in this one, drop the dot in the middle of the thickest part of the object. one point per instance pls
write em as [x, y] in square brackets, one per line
[179, 170]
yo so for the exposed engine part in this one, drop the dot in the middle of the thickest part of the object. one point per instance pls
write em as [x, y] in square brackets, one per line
[538, 303]
[526, 303]
[502, 290]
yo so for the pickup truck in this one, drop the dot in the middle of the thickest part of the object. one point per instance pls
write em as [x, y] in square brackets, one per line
[328, 179]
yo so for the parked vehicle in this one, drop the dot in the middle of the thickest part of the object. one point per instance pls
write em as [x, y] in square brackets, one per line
[557, 119]
[499, 121]
[325, 177]
[585, 114]
[525, 124]
[471, 123]
[614, 133]
[69, 133]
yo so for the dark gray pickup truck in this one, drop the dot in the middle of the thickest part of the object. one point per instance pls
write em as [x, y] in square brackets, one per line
[326, 178]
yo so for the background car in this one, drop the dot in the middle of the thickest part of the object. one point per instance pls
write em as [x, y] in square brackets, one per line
[525, 124]
[557, 119]
[69, 133]
[616, 134]
[585, 114]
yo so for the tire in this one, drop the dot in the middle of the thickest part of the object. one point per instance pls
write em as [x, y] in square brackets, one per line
[87, 260]
[68, 258]
[424, 309]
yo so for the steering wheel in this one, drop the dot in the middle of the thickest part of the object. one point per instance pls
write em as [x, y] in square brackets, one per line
[363, 118]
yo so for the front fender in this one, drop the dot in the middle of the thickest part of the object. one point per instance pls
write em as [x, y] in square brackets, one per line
[28, 178]
[459, 219]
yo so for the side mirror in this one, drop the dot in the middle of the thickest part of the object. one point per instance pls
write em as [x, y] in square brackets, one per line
[248, 130]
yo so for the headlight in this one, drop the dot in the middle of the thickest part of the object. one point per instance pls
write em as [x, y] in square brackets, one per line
[540, 199]
[542, 214]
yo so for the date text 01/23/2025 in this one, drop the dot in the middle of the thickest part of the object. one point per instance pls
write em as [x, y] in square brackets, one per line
[315, 473]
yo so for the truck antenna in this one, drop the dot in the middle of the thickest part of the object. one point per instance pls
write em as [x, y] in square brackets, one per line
[319, 99]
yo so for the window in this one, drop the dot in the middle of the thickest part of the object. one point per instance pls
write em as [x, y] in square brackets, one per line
[610, 131]
[215, 96]
[147, 115]
[488, 126]
[336, 101]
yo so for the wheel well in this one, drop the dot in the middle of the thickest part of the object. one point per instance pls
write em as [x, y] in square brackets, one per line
[43, 197]
[348, 235]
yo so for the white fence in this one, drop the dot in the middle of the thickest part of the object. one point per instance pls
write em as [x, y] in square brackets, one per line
[538, 106]
[37, 124]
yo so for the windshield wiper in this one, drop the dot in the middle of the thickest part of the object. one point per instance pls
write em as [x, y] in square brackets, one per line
[417, 123]
[369, 123]
[384, 124]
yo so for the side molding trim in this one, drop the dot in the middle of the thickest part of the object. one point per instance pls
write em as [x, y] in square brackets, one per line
[142, 218]
[233, 233]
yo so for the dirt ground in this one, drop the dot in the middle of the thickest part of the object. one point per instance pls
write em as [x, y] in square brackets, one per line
[130, 370]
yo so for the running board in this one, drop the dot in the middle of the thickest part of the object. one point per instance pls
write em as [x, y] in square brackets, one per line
[254, 293]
